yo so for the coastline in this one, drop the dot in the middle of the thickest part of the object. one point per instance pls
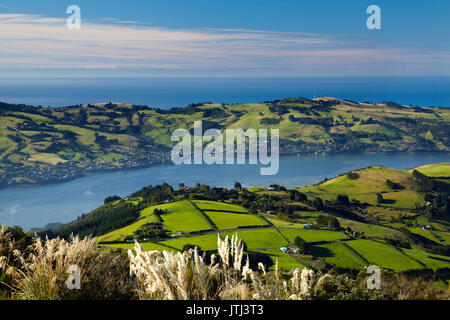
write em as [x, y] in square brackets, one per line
[89, 173]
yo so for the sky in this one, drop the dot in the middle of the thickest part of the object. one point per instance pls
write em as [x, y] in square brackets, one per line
[200, 38]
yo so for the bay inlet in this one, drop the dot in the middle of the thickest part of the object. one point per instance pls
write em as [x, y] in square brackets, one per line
[31, 207]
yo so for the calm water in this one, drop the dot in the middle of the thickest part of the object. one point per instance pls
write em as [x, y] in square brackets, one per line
[37, 206]
[179, 92]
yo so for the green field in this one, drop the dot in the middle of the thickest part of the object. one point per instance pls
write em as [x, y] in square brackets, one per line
[370, 182]
[312, 235]
[371, 230]
[281, 223]
[256, 189]
[435, 170]
[383, 255]
[432, 261]
[228, 220]
[355, 254]
[442, 237]
[284, 260]
[205, 242]
[218, 206]
[183, 216]
[147, 246]
[339, 254]
[260, 238]
[146, 216]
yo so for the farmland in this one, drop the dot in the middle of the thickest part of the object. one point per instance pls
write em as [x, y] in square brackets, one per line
[228, 220]
[383, 255]
[435, 170]
[312, 235]
[370, 182]
[281, 225]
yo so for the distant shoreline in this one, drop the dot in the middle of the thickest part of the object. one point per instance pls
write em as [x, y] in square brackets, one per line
[89, 173]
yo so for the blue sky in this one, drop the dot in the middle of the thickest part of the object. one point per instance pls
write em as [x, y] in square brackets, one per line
[225, 38]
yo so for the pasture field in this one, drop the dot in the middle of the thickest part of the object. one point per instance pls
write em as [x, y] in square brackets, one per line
[435, 170]
[257, 189]
[206, 205]
[441, 236]
[147, 246]
[383, 255]
[371, 230]
[50, 158]
[228, 220]
[285, 261]
[259, 238]
[339, 254]
[370, 182]
[183, 216]
[312, 235]
[432, 261]
[205, 242]
[281, 223]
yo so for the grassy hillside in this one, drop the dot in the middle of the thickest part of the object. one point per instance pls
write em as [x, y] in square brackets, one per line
[41, 145]
[351, 229]
[339, 254]
[332, 247]
[370, 182]
[435, 170]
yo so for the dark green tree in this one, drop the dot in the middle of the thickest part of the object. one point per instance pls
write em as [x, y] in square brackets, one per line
[333, 223]
[342, 200]
[301, 244]
[318, 203]
[380, 198]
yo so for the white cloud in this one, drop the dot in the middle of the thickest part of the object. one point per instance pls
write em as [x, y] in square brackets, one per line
[38, 42]
[89, 193]
[13, 210]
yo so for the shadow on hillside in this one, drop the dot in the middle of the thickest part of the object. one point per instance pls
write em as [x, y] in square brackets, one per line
[321, 252]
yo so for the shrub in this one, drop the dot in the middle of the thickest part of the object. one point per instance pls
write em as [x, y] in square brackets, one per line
[380, 198]
[394, 185]
[318, 203]
[342, 199]
[352, 175]
[111, 199]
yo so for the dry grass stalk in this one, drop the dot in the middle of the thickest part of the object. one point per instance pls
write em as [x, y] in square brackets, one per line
[177, 276]
[44, 265]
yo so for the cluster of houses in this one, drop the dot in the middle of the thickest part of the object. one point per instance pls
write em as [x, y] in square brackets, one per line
[290, 250]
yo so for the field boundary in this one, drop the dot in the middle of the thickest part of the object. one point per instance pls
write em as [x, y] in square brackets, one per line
[355, 252]
[212, 224]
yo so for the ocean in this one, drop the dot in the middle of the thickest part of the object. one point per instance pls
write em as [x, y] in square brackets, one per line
[179, 92]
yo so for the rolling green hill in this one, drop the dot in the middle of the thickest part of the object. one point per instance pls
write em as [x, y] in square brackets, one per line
[42, 145]
[393, 234]
[370, 182]
[435, 170]
[334, 248]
